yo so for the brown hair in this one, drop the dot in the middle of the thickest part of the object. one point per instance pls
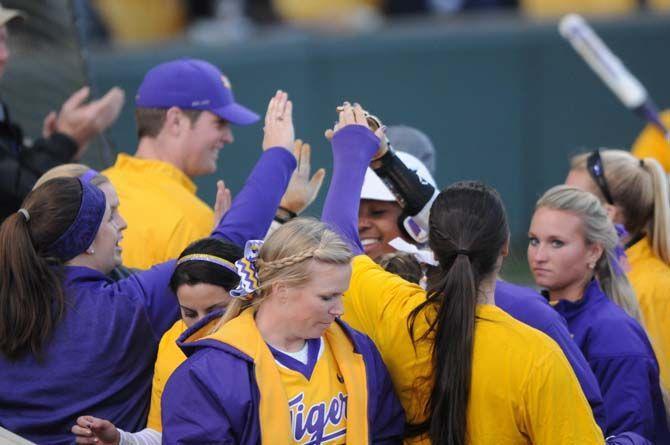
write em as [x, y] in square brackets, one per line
[31, 295]
[640, 189]
[70, 171]
[150, 121]
[402, 264]
[468, 231]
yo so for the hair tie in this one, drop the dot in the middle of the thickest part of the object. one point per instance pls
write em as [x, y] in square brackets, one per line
[463, 252]
[25, 214]
[642, 163]
[246, 269]
[209, 259]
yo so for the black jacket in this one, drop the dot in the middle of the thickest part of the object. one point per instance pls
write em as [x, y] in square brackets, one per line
[21, 166]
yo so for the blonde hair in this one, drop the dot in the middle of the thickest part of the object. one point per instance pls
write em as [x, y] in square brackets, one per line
[284, 258]
[640, 188]
[70, 171]
[598, 229]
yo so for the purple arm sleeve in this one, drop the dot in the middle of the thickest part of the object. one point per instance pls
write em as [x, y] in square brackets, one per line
[248, 218]
[353, 148]
[254, 207]
[151, 286]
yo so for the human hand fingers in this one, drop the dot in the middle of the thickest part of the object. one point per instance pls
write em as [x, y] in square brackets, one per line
[270, 111]
[223, 201]
[304, 161]
[49, 124]
[76, 99]
[106, 110]
[280, 104]
[315, 183]
[359, 115]
[288, 111]
[81, 431]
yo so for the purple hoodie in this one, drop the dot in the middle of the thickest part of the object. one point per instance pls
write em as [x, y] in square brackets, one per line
[213, 397]
[100, 358]
[620, 355]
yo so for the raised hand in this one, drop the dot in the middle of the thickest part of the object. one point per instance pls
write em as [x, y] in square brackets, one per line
[91, 430]
[224, 199]
[83, 121]
[302, 190]
[278, 127]
[356, 115]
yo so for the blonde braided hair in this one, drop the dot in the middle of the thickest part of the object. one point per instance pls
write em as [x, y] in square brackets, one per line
[284, 258]
[285, 262]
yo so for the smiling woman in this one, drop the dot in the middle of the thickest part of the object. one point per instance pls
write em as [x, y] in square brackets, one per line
[281, 337]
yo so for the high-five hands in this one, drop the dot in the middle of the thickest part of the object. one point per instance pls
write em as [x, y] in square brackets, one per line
[356, 115]
[302, 190]
[278, 129]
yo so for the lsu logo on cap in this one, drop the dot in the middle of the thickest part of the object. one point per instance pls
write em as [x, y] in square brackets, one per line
[226, 82]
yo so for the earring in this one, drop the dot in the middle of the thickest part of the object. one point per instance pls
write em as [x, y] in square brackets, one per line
[90, 251]
[592, 265]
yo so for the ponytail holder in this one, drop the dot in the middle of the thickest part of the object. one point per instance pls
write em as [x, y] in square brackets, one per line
[25, 214]
[463, 252]
[642, 163]
[246, 269]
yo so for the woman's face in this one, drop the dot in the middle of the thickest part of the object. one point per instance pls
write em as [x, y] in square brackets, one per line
[105, 250]
[113, 200]
[198, 300]
[558, 254]
[308, 310]
[377, 225]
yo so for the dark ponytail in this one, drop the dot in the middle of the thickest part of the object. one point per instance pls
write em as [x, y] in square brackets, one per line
[31, 293]
[468, 229]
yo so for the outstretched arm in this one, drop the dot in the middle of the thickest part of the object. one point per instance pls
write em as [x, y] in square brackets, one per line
[254, 207]
[354, 146]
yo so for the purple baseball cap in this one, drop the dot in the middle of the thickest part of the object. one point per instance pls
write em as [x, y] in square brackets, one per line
[192, 84]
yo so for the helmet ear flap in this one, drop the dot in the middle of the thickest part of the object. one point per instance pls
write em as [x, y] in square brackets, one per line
[410, 229]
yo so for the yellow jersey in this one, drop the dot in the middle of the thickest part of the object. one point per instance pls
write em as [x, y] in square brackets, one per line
[651, 142]
[163, 213]
[650, 278]
[168, 359]
[523, 390]
[317, 396]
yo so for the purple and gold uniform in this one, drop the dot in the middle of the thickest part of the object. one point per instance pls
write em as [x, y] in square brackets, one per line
[235, 389]
[100, 357]
[168, 359]
[523, 390]
[317, 395]
[619, 352]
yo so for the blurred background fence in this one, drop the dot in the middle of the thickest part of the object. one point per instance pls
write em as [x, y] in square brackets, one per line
[503, 97]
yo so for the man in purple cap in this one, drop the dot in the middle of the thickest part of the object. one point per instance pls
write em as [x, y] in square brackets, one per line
[65, 134]
[184, 112]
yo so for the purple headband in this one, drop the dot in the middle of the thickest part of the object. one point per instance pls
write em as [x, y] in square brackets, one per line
[88, 175]
[81, 233]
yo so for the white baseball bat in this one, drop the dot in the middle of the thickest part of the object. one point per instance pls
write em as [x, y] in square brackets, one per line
[609, 68]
